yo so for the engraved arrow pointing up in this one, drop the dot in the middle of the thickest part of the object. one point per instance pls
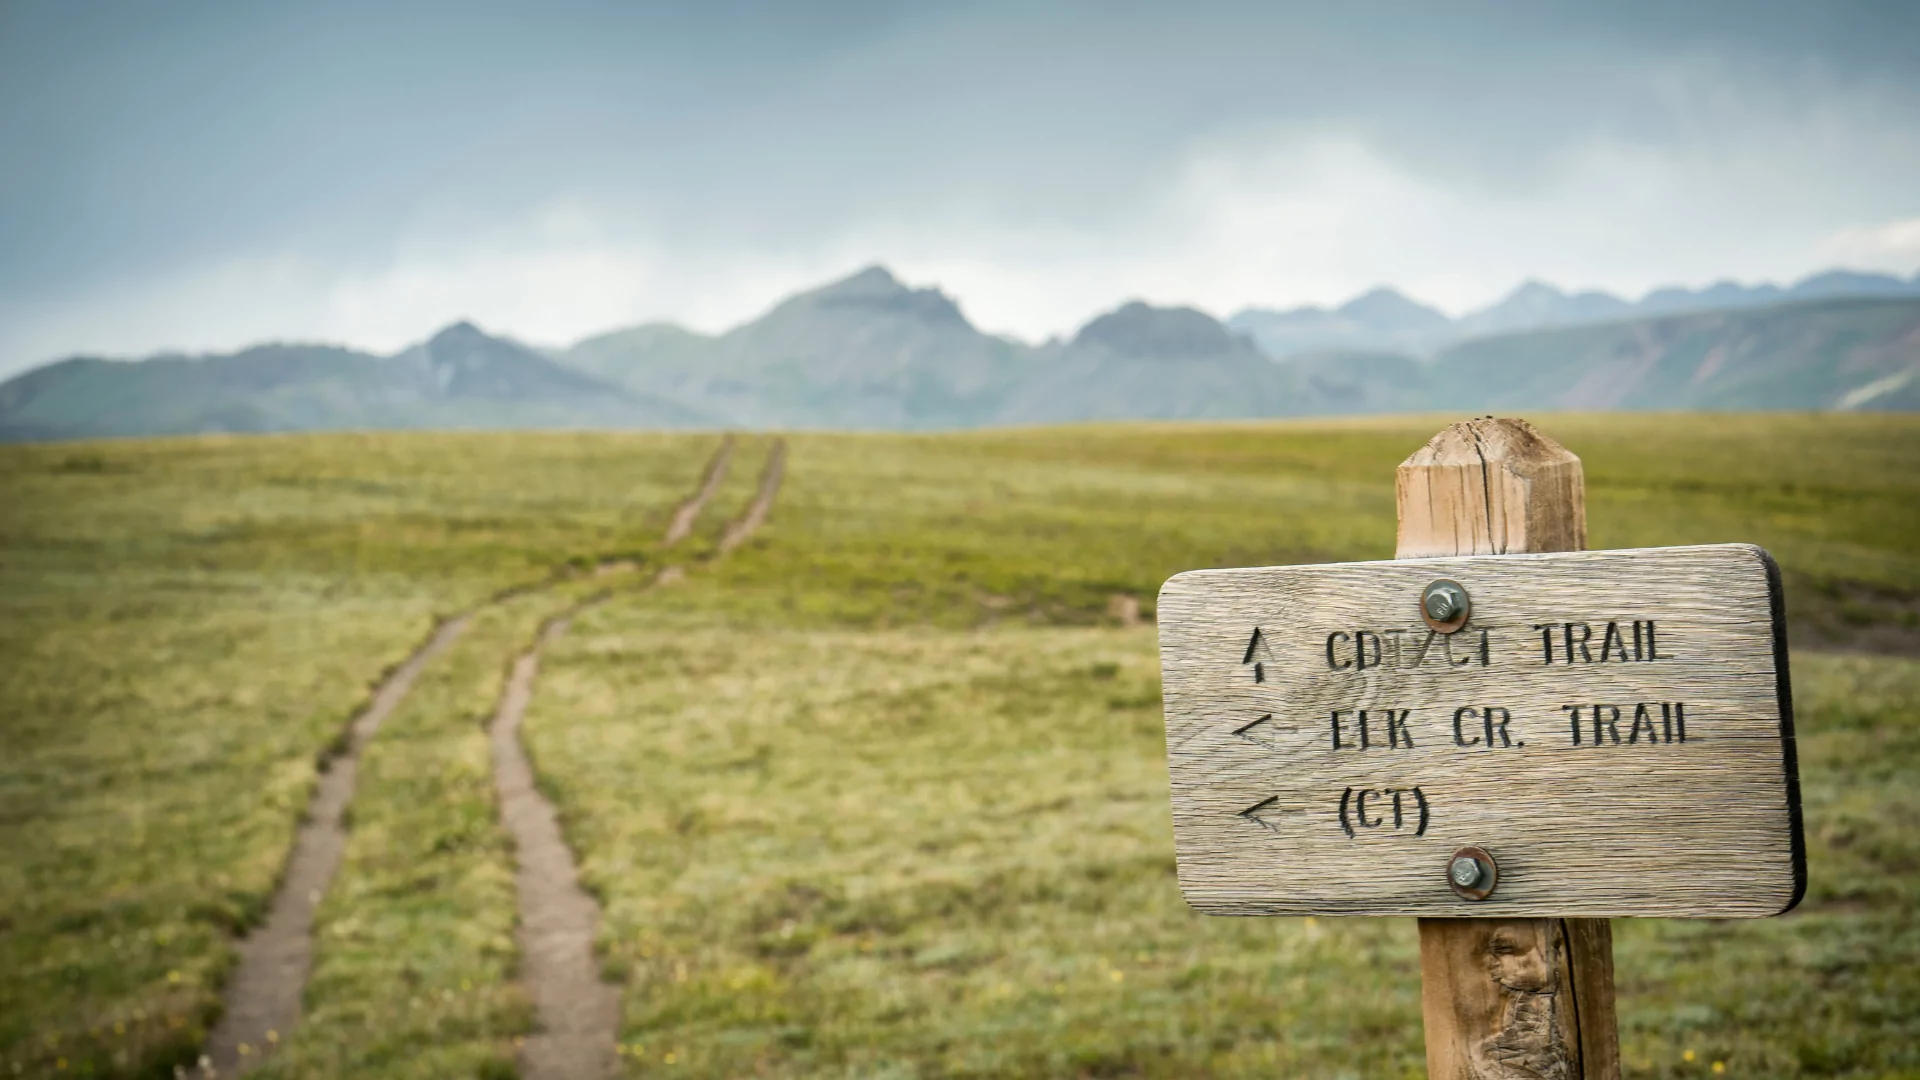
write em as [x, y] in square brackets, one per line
[1259, 655]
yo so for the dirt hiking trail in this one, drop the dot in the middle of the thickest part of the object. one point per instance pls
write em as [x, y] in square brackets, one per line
[770, 476]
[578, 1012]
[689, 511]
[262, 997]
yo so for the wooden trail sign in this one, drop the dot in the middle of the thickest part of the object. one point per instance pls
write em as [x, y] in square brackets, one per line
[1524, 739]
[1611, 726]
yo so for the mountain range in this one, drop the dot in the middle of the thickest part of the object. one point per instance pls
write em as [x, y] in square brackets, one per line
[871, 352]
[1386, 319]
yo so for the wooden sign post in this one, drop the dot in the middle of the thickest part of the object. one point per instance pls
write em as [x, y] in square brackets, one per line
[1503, 734]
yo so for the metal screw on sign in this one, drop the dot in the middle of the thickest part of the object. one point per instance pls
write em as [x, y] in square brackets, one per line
[1472, 873]
[1444, 605]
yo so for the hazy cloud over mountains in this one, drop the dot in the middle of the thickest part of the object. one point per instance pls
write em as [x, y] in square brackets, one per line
[202, 176]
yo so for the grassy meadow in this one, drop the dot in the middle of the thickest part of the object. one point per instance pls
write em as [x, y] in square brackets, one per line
[880, 793]
[186, 627]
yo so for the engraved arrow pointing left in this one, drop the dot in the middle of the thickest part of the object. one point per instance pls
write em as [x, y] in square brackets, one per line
[1261, 732]
[1266, 808]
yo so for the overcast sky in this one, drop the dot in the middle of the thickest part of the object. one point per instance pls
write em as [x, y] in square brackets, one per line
[200, 176]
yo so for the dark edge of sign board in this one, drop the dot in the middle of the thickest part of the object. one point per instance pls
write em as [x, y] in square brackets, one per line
[1789, 744]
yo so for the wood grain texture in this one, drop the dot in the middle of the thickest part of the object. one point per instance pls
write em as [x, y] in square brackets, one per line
[1490, 487]
[1529, 999]
[1647, 825]
[1514, 997]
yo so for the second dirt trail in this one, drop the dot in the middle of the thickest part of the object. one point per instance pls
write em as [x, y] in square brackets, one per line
[263, 995]
[579, 1013]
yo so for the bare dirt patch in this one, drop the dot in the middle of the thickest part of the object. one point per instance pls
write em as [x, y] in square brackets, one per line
[689, 511]
[770, 476]
[262, 1000]
[579, 1013]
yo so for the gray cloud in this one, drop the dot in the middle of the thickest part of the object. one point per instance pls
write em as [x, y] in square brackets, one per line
[185, 175]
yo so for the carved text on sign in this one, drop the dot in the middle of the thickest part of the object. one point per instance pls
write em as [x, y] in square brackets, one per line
[1494, 718]
[1325, 748]
[1612, 645]
[1359, 650]
[1604, 722]
[1375, 727]
[1356, 798]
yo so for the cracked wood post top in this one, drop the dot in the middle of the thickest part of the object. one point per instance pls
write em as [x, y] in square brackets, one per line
[1507, 998]
[1490, 487]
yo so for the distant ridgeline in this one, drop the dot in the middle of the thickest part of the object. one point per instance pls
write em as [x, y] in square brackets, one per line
[869, 352]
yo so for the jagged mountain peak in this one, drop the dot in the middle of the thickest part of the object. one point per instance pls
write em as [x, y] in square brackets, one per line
[467, 362]
[1535, 304]
[1392, 311]
[463, 344]
[1140, 329]
[875, 280]
[458, 335]
[876, 289]
[1533, 290]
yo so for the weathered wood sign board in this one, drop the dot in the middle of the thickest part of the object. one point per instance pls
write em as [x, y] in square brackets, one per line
[1613, 727]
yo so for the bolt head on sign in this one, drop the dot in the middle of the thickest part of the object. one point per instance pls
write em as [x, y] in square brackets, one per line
[1614, 727]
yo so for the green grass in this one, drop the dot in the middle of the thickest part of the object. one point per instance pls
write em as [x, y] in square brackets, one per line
[414, 942]
[1047, 524]
[906, 813]
[923, 852]
[156, 763]
[883, 783]
[185, 626]
[1833, 988]
[415, 958]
